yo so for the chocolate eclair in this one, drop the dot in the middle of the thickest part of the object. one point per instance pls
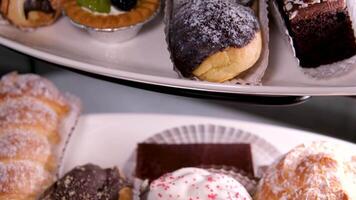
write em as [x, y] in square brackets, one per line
[31, 13]
[90, 182]
[214, 40]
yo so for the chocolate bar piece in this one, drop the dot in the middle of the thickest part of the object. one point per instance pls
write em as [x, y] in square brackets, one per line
[322, 30]
[154, 160]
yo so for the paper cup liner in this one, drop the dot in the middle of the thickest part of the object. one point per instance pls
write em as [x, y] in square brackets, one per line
[66, 130]
[262, 170]
[252, 76]
[140, 188]
[322, 72]
[263, 152]
[3, 21]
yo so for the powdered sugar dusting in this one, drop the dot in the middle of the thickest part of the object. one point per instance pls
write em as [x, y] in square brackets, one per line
[24, 145]
[200, 28]
[217, 22]
[317, 171]
[27, 111]
[25, 176]
[197, 184]
[30, 84]
[30, 108]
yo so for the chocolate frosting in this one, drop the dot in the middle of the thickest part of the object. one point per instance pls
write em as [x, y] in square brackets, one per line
[245, 2]
[38, 5]
[88, 182]
[200, 28]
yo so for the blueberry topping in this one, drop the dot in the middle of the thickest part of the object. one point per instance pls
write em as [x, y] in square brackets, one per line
[37, 5]
[124, 5]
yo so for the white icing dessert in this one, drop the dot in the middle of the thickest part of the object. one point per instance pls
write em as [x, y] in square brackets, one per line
[196, 184]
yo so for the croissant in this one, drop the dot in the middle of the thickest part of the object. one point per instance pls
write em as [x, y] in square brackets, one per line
[31, 13]
[31, 110]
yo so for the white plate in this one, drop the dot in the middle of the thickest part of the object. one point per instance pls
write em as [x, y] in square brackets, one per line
[145, 59]
[110, 139]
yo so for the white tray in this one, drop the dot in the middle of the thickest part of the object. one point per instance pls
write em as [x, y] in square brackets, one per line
[110, 139]
[145, 59]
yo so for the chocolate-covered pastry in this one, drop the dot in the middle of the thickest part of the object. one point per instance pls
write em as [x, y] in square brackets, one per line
[245, 2]
[154, 160]
[90, 182]
[322, 30]
[38, 5]
[31, 13]
[214, 40]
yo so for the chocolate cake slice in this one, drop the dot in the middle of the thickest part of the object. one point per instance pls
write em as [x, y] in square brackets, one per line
[323, 31]
[154, 160]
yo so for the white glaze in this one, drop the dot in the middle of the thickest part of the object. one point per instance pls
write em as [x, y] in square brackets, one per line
[194, 183]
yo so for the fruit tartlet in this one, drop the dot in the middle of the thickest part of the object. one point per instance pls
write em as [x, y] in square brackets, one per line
[124, 16]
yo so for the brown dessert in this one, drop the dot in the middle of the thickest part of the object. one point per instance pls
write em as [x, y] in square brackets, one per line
[90, 182]
[322, 30]
[154, 160]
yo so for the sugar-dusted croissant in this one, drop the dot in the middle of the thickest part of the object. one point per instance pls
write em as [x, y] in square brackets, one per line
[31, 110]
[31, 13]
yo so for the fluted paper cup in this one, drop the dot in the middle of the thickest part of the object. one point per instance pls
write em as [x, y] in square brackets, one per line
[66, 130]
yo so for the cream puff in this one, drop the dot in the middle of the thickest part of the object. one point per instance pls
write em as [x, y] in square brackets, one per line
[316, 171]
[214, 40]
